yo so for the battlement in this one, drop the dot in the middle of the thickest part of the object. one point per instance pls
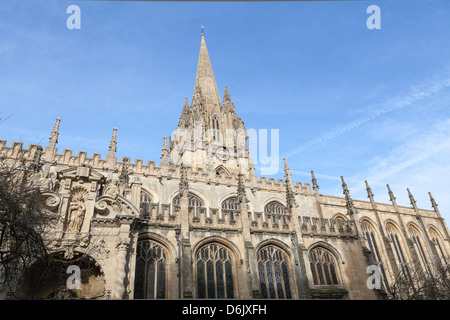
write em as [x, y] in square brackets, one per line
[110, 163]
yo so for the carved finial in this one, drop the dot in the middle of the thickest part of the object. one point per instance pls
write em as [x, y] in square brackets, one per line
[124, 177]
[411, 199]
[348, 199]
[434, 205]
[241, 195]
[113, 144]
[314, 182]
[164, 152]
[369, 190]
[55, 133]
[184, 185]
[391, 194]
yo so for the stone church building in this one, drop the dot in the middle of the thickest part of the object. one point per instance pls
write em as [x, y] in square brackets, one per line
[200, 224]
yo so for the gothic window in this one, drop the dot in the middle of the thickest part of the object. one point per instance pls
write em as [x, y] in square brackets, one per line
[274, 276]
[417, 240]
[145, 201]
[374, 249]
[276, 209]
[231, 206]
[324, 267]
[214, 265]
[221, 170]
[194, 201]
[150, 275]
[400, 257]
[437, 240]
[215, 125]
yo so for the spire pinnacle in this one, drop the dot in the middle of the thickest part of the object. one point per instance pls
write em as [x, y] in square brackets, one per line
[113, 144]
[348, 199]
[205, 78]
[314, 182]
[369, 190]
[54, 135]
[411, 198]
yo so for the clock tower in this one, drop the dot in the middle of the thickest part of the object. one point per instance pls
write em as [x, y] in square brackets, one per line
[210, 135]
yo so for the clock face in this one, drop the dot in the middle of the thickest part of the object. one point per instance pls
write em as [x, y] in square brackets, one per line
[222, 154]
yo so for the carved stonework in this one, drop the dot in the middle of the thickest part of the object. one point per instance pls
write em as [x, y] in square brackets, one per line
[77, 209]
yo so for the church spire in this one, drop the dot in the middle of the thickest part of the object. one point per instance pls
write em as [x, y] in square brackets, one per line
[54, 135]
[205, 80]
[113, 144]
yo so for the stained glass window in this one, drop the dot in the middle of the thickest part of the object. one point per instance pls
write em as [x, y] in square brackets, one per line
[231, 205]
[194, 201]
[276, 209]
[392, 232]
[323, 267]
[373, 246]
[150, 275]
[273, 273]
[145, 201]
[214, 272]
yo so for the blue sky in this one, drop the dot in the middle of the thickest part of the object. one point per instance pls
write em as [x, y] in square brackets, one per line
[365, 104]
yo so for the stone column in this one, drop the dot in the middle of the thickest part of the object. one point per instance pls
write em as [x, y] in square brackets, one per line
[122, 252]
[186, 250]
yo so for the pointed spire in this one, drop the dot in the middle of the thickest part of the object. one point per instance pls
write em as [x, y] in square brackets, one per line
[290, 197]
[205, 80]
[184, 118]
[287, 171]
[228, 105]
[369, 190]
[164, 153]
[391, 195]
[314, 182]
[348, 199]
[434, 205]
[412, 200]
[54, 135]
[113, 144]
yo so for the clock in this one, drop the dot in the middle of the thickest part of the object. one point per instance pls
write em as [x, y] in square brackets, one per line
[222, 154]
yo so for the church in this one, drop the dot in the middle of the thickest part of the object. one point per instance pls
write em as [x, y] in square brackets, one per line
[199, 224]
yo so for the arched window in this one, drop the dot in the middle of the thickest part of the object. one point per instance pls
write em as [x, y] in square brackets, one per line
[194, 201]
[221, 170]
[231, 205]
[276, 209]
[401, 260]
[324, 267]
[274, 276]
[150, 275]
[145, 201]
[416, 238]
[371, 241]
[437, 240]
[214, 264]
[215, 125]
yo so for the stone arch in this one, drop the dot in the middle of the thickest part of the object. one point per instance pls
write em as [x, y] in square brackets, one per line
[273, 199]
[153, 194]
[48, 279]
[154, 265]
[325, 265]
[195, 192]
[275, 264]
[222, 170]
[216, 261]
[340, 216]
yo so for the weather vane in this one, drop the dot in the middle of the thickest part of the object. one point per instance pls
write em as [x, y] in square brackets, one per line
[202, 29]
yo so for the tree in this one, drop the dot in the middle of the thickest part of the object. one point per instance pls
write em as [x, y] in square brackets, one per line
[414, 282]
[23, 222]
